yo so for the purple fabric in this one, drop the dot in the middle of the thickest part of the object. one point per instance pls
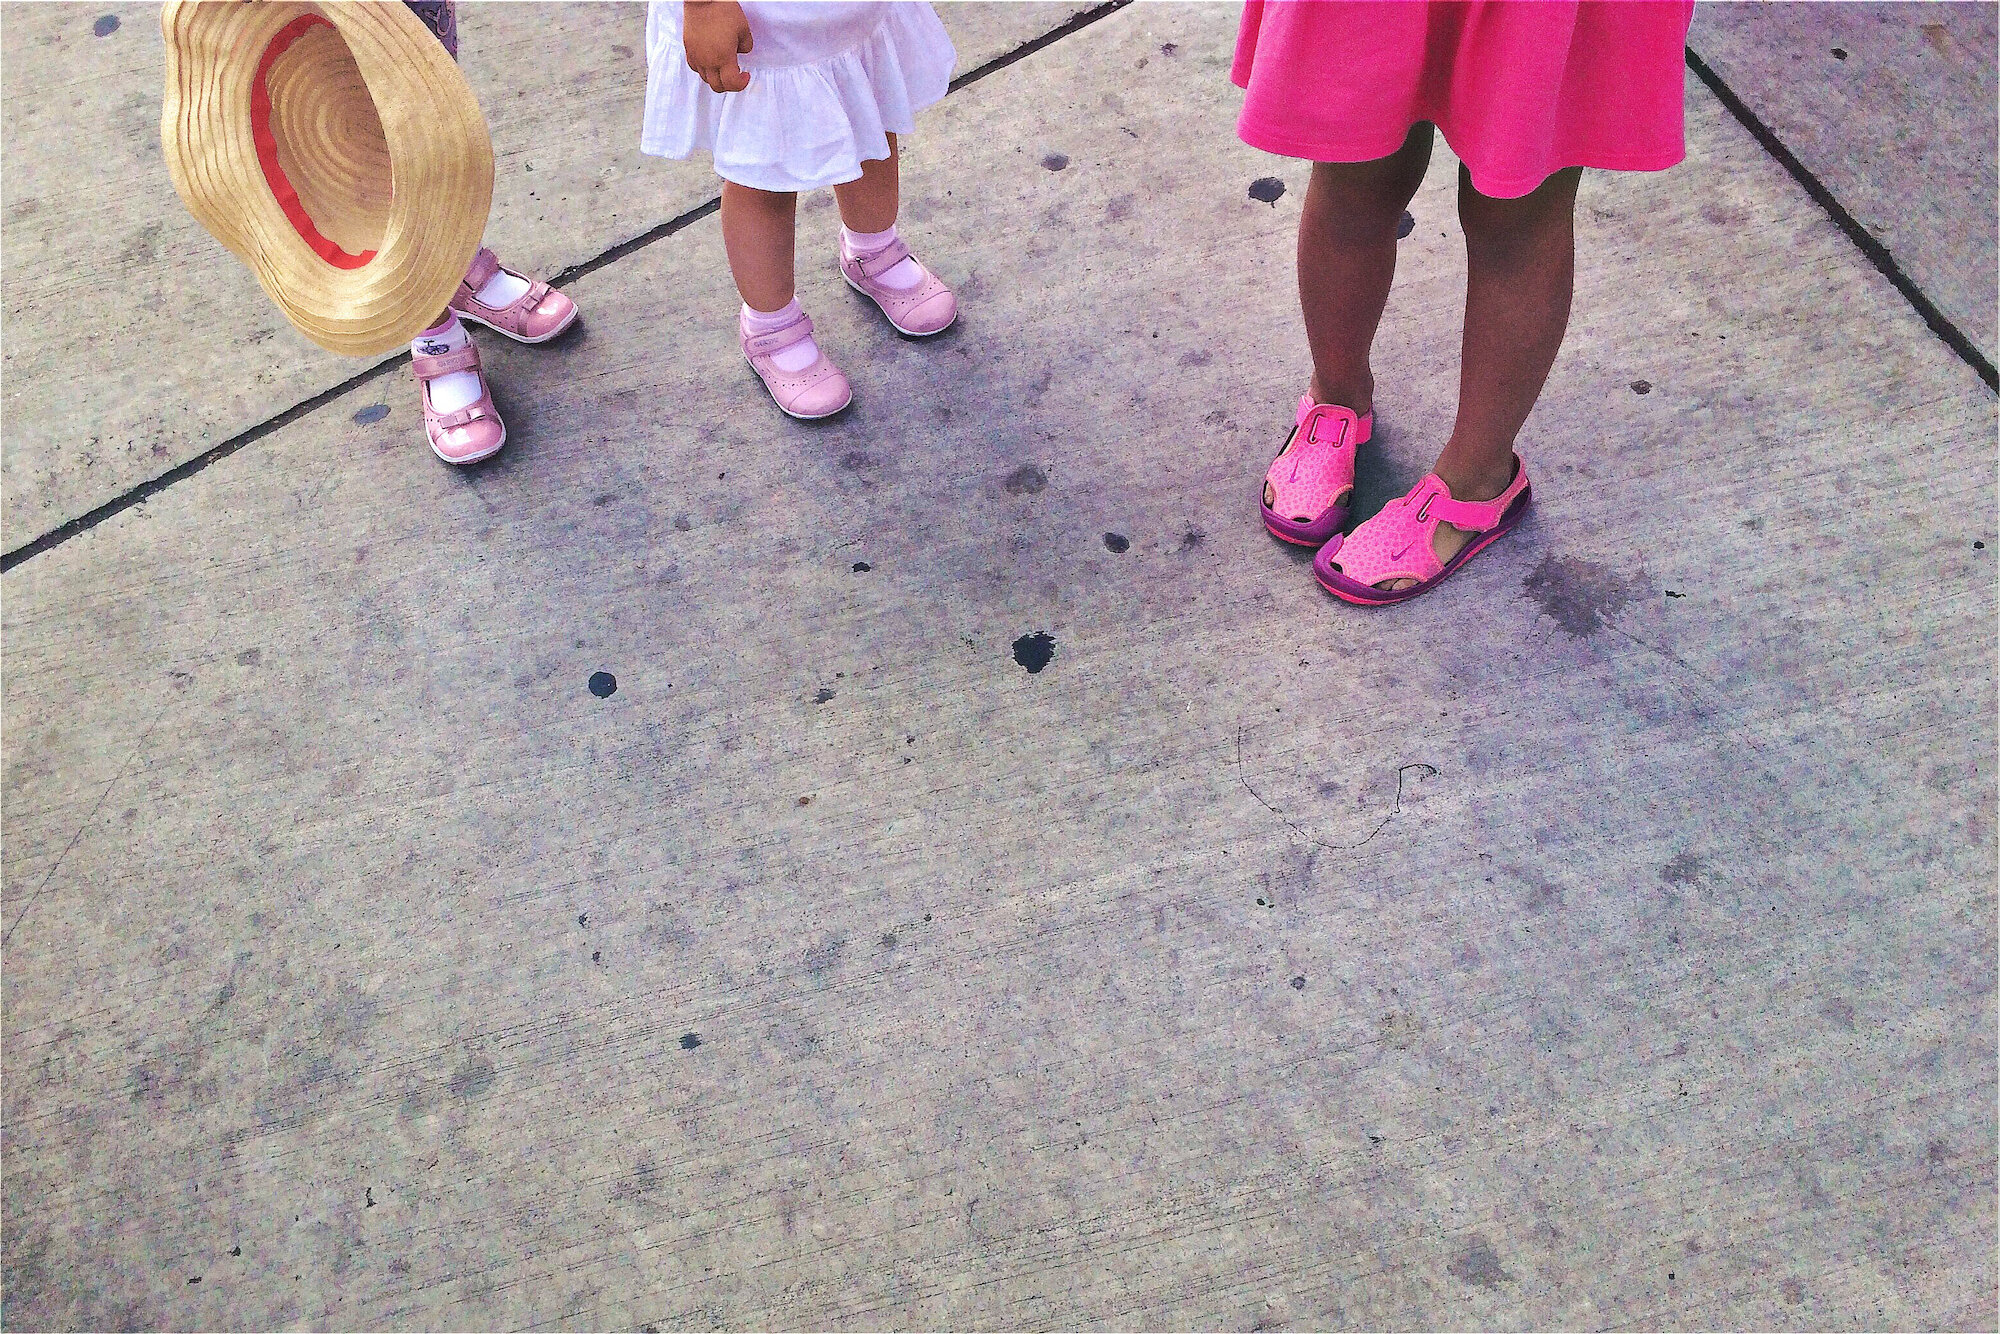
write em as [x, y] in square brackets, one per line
[441, 17]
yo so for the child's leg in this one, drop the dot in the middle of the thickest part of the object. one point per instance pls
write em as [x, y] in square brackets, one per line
[870, 204]
[1520, 259]
[1347, 260]
[758, 227]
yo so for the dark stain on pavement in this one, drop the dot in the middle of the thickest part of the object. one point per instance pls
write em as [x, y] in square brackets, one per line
[371, 414]
[862, 567]
[1026, 480]
[473, 1079]
[1578, 595]
[1478, 1266]
[106, 25]
[689, 1041]
[603, 684]
[1685, 869]
[825, 694]
[1642, 386]
[1035, 651]
[1056, 161]
[1117, 543]
[1267, 190]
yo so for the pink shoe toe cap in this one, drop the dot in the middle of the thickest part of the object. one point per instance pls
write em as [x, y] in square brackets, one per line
[471, 442]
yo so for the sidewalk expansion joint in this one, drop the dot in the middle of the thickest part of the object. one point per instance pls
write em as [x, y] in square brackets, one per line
[1878, 254]
[146, 490]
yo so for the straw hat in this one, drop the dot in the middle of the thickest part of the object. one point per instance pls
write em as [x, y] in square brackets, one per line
[336, 148]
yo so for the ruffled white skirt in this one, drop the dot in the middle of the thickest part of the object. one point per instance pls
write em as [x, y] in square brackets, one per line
[828, 84]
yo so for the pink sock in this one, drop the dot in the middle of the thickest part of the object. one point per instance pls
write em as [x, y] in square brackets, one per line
[859, 245]
[794, 358]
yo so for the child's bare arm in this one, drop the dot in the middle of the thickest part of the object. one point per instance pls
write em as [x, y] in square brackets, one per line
[714, 33]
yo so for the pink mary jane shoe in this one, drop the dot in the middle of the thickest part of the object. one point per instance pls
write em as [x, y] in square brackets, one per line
[819, 390]
[1308, 485]
[536, 316]
[1398, 542]
[918, 311]
[475, 431]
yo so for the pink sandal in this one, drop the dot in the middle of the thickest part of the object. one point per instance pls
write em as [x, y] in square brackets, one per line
[475, 431]
[1308, 485]
[1397, 543]
[919, 311]
[536, 316]
[820, 390]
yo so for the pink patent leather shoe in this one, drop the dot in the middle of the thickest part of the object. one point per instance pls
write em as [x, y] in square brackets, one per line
[475, 431]
[819, 390]
[918, 311]
[536, 316]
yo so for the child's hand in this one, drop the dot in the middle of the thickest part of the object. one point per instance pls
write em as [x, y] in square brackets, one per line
[713, 32]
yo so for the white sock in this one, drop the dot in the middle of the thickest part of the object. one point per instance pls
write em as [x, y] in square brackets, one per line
[794, 358]
[460, 389]
[503, 289]
[901, 276]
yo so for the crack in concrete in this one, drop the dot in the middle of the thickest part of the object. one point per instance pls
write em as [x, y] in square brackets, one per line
[1425, 773]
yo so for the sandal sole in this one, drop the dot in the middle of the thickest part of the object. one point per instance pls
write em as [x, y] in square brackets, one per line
[907, 333]
[1367, 595]
[1300, 536]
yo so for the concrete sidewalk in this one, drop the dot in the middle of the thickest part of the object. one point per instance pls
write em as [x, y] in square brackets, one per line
[1606, 942]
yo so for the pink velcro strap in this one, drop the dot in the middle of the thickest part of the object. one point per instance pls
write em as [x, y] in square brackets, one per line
[484, 265]
[888, 257]
[1475, 516]
[429, 368]
[764, 344]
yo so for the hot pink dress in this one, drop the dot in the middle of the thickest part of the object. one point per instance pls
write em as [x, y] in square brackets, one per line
[1519, 88]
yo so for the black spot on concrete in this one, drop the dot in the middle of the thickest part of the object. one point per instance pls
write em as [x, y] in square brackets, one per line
[597, 956]
[1192, 538]
[805, 801]
[371, 414]
[1685, 869]
[603, 499]
[583, 919]
[888, 940]
[603, 684]
[823, 696]
[236, 1250]
[1478, 1266]
[1267, 190]
[1299, 983]
[682, 523]
[1117, 543]
[862, 567]
[197, 1278]
[106, 25]
[1056, 161]
[1035, 651]
[1839, 54]
[1979, 546]
[1642, 386]
[1405, 224]
[1672, 594]
[473, 1079]
[689, 1041]
[1170, 49]
[368, 1197]
[1579, 595]
[250, 657]
[1026, 480]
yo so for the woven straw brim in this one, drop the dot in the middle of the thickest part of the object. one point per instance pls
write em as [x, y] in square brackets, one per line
[370, 124]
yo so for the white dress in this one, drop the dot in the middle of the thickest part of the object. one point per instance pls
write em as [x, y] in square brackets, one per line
[828, 84]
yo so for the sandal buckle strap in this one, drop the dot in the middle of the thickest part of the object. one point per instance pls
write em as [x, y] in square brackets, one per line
[777, 340]
[484, 265]
[429, 368]
[888, 257]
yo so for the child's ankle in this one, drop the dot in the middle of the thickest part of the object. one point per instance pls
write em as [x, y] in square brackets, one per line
[1357, 396]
